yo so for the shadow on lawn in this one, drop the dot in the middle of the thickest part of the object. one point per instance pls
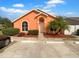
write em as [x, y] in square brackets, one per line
[2, 49]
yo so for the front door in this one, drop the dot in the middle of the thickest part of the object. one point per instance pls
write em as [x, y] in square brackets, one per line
[41, 25]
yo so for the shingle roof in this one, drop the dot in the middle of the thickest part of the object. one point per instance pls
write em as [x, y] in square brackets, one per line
[72, 21]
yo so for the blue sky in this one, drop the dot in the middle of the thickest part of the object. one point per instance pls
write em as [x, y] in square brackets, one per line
[12, 9]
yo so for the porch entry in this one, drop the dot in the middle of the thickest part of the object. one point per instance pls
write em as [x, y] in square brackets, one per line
[41, 26]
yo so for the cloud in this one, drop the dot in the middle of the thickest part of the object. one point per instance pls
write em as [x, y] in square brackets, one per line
[53, 3]
[12, 10]
[18, 5]
[69, 13]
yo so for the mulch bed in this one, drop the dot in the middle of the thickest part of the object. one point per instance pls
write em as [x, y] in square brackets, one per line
[46, 35]
[25, 35]
[58, 36]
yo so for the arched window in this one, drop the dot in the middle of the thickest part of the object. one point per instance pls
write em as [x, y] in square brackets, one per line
[41, 19]
[24, 26]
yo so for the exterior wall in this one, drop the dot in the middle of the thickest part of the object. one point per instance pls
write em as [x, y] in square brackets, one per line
[72, 29]
[47, 21]
[28, 18]
[77, 27]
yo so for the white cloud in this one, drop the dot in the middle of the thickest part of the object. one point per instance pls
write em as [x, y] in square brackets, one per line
[18, 5]
[69, 13]
[12, 10]
[53, 3]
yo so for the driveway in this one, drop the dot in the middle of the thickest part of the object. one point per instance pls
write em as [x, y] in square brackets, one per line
[35, 48]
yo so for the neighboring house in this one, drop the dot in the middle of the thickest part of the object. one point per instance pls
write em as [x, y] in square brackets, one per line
[33, 20]
[73, 26]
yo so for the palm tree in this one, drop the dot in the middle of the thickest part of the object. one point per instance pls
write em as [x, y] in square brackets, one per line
[58, 25]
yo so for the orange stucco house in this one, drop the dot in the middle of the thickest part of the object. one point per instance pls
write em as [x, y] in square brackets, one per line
[33, 20]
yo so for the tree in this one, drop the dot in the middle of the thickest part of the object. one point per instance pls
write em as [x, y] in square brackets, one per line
[5, 22]
[58, 25]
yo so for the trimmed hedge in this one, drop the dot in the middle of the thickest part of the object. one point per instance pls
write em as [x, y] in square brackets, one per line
[77, 31]
[33, 32]
[10, 31]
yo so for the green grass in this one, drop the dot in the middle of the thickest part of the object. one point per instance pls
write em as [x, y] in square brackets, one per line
[1, 33]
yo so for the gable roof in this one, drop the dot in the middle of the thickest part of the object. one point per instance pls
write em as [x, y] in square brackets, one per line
[37, 11]
[24, 15]
[41, 14]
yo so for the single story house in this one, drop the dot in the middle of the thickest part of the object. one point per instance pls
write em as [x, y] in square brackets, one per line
[33, 20]
[38, 20]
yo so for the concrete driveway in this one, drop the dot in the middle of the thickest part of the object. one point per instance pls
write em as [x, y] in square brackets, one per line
[34, 48]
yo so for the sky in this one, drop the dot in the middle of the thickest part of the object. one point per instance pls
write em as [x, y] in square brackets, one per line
[12, 9]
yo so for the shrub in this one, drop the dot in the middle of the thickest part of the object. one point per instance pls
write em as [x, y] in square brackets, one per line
[77, 31]
[10, 31]
[33, 32]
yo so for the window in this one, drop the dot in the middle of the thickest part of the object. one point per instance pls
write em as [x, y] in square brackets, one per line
[24, 26]
[41, 19]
